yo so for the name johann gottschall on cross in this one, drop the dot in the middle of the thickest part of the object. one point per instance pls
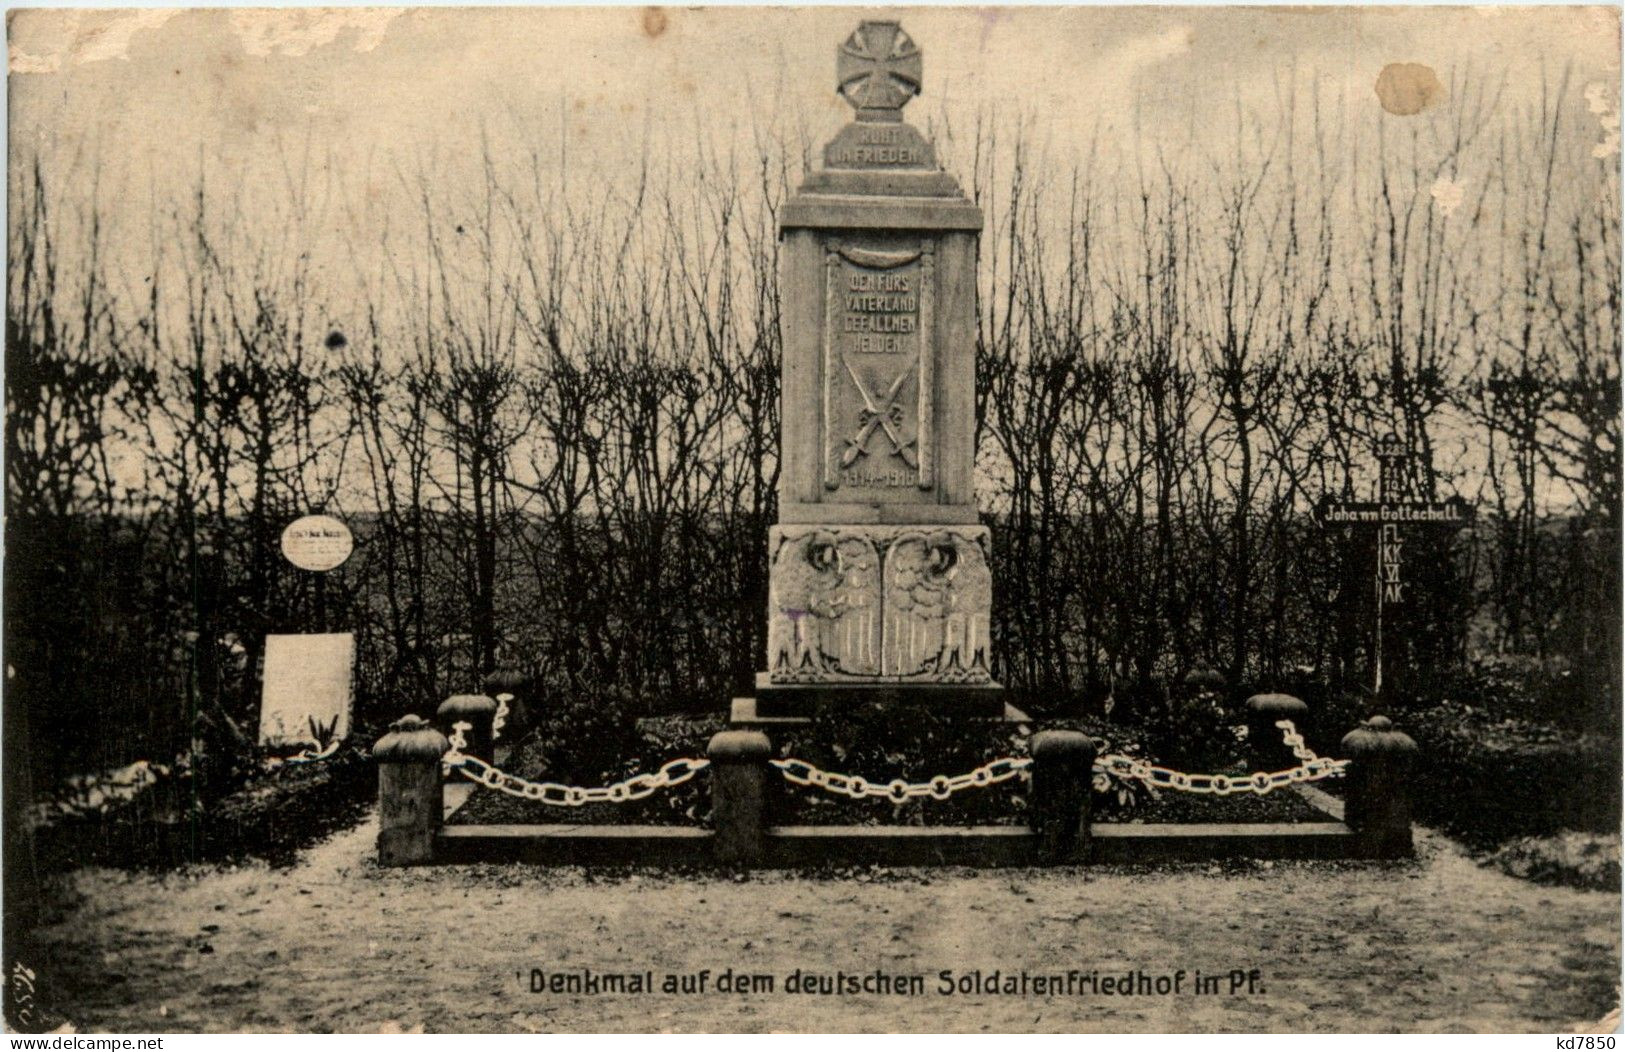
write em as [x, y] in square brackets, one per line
[1387, 514]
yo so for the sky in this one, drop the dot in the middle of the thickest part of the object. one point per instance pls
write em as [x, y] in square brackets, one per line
[149, 92]
[379, 108]
[372, 100]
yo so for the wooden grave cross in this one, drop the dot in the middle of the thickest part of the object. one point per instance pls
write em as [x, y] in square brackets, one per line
[1387, 514]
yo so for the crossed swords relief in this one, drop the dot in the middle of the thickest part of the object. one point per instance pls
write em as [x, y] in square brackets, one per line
[874, 417]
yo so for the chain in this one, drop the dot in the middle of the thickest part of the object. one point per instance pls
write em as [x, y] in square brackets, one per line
[1294, 741]
[674, 772]
[800, 772]
[1312, 769]
[500, 720]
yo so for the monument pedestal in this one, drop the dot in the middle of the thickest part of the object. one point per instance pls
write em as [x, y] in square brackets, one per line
[801, 710]
[983, 701]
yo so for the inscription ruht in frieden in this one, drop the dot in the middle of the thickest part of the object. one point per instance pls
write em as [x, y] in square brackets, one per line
[878, 568]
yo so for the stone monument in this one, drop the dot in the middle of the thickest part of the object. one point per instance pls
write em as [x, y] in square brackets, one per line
[879, 586]
[308, 689]
[307, 685]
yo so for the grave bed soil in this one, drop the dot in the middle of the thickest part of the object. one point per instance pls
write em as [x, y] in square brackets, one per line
[1573, 859]
[270, 815]
[965, 747]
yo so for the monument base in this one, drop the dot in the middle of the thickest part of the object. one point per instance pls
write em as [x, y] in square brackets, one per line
[970, 701]
[742, 715]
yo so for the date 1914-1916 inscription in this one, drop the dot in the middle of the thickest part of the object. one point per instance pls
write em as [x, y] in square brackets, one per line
[855, 477]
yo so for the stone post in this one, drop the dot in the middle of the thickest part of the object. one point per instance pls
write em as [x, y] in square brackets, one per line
[1378, 802]
[409, 795]
[1204, 679]
[739, 772]
[1264, 742]
[520, 685]
[478, 711]
[1063, 776]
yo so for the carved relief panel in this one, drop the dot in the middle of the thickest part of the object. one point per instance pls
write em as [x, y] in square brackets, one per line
[878, 603]
[823, 605]
[879, 369]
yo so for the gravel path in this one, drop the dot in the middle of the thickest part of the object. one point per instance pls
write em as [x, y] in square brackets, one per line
[337, 944]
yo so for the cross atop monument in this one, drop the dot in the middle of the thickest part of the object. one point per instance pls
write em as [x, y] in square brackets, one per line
[878, 70]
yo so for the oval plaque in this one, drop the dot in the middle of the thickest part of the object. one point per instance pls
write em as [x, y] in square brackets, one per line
[317, 542]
